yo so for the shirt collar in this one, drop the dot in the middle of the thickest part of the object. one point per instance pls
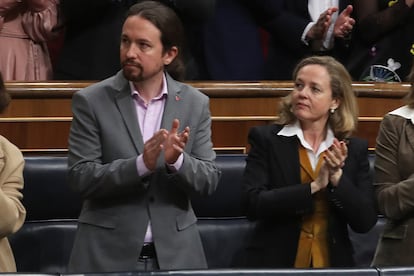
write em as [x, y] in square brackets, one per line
[163, 91]
[405, 112]
[295, 130]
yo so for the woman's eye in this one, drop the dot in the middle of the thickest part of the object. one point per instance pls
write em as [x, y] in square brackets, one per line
[316, 90]
[298, 85]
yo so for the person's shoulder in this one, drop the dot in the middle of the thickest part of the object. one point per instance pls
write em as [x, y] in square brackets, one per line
[393, 119]
[400, 114]
[271, 129]
[187, 88]
[357, 144]
[9, 150]
[396, 120]
[116, 81]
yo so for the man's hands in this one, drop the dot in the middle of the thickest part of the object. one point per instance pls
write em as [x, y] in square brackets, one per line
[319, 29]
[172, 142]
[344, 23]
[175, 142]
[342, 27]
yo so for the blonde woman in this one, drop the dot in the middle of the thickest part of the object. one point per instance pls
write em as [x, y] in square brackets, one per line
[306, 179]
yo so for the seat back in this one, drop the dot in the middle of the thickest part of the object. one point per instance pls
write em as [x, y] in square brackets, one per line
[46, 193]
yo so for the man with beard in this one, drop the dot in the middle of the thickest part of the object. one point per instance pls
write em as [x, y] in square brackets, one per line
[139, 147]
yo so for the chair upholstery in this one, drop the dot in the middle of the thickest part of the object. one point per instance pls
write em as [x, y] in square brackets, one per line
[226, 201]
[44, 242]
[46, 194]
[44, 246]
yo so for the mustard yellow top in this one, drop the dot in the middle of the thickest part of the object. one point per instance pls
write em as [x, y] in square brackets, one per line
[313, 241]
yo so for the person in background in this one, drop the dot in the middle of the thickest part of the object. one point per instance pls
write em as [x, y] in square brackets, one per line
[92, 29]
[139, 148]
[12, 211]
[394, 184]
[306, 179]
[384, 35]
[25, 28]
[304, 28]
[232, 41]
[264, 39]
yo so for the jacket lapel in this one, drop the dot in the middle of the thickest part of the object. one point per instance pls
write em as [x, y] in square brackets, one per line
[287, 155]
[173, 105]
[125, 105]
[410, 134]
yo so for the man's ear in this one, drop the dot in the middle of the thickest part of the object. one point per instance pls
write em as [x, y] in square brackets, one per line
[170, 55]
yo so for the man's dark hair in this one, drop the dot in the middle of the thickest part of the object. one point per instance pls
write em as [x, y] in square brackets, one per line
[171, 28]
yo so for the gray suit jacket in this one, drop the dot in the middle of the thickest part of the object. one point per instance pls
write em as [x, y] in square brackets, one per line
[104, 143]
[394, 185]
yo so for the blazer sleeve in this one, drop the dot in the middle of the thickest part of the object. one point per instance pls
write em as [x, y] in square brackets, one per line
[373, 23]
[354, 198]
[88, 173]
[281, 22]
[394, 192]
[41, 22]
[12, 211]
[272, 189]
[199, 173]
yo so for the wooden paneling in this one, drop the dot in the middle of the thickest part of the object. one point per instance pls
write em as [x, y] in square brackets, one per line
[39, 116]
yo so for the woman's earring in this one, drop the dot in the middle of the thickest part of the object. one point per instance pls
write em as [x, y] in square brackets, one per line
[332, 110]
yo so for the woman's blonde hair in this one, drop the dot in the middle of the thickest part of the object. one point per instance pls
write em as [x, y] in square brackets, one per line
[345, 118]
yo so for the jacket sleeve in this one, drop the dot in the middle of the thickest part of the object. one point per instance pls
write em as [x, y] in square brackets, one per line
[41, 20]
[199, 173]
[12, 211]
[270, 191]
[394, 192]
[354, 198]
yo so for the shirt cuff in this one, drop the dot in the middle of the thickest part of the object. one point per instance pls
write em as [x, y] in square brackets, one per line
[141, 168]
[177, 165]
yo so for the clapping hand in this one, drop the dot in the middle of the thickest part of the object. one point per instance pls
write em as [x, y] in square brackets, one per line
[175, 142]
[344, 23]
[331, 169]
[320, 28]
[172, 142]
[335, 158]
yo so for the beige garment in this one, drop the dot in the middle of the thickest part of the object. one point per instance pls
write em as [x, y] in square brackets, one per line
[12, 211]
[25, 27]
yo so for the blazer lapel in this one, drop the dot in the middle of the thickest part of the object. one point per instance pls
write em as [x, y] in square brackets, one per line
[173, 105]
[287, 155]
[410, 134]
[125, 104]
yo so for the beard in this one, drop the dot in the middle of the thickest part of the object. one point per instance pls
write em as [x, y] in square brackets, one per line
[136, 73]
